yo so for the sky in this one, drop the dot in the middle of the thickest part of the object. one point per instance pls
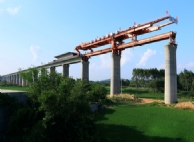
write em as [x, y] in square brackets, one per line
[32, 32]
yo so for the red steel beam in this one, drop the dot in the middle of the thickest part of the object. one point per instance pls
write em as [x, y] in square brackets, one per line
[122, 35]
[135, 43]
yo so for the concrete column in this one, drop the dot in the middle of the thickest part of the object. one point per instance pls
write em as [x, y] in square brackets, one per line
[85, 70]
[65, 70]
[20, 81]
[23, 82]
[170, 74]
[16, 79]
[115, 86]
[11, 79]
[52, 70]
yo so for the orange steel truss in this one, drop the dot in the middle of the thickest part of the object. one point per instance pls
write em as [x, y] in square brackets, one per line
[116, 39]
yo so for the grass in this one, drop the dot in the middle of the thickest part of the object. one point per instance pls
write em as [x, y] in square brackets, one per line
[129, 122]
[14, 88]
[146, 93]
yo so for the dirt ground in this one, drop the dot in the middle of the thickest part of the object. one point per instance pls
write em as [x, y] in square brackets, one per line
[180, 105]
[146, 101]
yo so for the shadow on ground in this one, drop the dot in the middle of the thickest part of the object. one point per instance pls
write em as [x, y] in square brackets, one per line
[118, 133]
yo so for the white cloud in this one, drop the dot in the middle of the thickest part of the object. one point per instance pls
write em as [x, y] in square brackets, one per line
[126, 56]
[190, 64]
[105, 61]
[146, 56]
[1, 1]
[34, 50]
[13, 11]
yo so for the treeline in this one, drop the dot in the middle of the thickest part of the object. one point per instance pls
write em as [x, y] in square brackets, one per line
[123, 82]
[154, 79]
[148, 78]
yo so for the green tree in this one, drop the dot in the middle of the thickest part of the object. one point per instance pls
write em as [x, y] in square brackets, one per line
[186, 79]
[58, 110]
[97, 93]
[192, 85]
[157, 85]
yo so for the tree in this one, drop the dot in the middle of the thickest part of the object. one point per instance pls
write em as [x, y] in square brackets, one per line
[193, 85]
[186, 79]
[97, 93]
[58, 110]
[157, 85]
[135, 77]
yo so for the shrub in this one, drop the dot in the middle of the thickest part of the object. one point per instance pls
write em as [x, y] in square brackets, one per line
[58, 110]
[97, 93]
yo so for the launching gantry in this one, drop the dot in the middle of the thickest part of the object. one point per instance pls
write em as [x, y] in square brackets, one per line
[116, 39]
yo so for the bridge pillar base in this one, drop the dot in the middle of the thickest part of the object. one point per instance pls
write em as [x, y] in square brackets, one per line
[115, 87]
[170, 74]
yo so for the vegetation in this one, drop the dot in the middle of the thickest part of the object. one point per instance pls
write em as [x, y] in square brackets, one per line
[153, 122]
[58, 110]
[154, 79]
[186, 80]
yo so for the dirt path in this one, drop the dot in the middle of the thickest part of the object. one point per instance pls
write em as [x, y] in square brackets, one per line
[146, 101]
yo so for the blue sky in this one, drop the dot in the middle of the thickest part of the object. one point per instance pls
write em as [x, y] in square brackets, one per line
[33, 32]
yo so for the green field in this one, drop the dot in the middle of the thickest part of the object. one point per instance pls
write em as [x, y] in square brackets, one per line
[142, 123]
[14, 88]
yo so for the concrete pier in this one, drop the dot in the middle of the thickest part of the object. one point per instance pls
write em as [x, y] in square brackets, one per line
[20, 81]
[52, 69]
[85, 70]
[23, 82]
[115, 86]
[65, 70]
[170, 74]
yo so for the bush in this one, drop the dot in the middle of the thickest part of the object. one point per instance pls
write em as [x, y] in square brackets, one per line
[58, 110]
[97, 93]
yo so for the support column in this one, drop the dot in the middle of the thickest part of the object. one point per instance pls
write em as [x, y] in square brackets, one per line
[20, 81]
[16, 79]
[170, 74]
[65, 70]
[11, 79]
[85, 70]
[52, 70]
[115, 86]
[23, 82]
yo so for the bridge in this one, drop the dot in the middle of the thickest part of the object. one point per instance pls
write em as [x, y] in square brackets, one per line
[116, 40]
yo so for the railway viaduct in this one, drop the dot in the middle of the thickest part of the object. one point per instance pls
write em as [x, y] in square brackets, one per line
[117, 47]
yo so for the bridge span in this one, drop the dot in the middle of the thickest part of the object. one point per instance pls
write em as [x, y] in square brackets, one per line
[116, 40]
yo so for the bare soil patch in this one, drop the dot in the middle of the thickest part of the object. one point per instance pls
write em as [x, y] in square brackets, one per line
[146, 101]
[183, 105]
